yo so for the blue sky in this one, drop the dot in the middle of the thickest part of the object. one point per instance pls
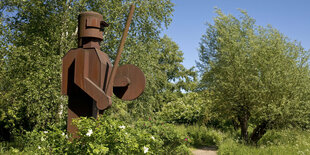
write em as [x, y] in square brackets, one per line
[290, 17]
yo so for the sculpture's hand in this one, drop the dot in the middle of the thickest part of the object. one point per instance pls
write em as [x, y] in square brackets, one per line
[103, 101]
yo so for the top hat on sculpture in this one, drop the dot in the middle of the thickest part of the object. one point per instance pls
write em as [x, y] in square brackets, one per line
[88, 77]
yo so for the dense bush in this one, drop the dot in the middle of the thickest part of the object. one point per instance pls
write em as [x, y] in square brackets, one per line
[274, 137]
[107, 136]
[175, 139]
[202, 136]
[191, 108]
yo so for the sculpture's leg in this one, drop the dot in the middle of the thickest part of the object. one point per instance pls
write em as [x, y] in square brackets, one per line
[80, 104]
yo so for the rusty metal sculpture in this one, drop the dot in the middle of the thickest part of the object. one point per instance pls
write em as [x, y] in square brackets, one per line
[88, 77]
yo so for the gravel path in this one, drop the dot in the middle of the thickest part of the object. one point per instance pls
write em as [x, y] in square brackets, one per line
[205, 151]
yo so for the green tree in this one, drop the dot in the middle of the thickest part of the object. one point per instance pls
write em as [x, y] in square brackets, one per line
[165, 75]
[32, 58]
[37, 34]
[255, 75]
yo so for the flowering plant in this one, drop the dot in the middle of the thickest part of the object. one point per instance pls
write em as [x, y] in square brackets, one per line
[106, 135]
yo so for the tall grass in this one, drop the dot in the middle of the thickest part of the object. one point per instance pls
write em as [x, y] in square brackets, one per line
[203, 136]
[285, 142]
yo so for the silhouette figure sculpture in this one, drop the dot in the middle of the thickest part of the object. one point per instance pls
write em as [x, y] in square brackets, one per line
[86, 72]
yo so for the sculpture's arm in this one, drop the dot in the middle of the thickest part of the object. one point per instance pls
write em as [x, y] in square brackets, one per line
[81, 80]
[87, 85]
[67, 61]
[102, 100]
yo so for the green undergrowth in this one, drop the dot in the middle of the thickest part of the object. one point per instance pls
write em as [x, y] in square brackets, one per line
[203, 136]
[110, 136]
[288, 142]
[104, 136]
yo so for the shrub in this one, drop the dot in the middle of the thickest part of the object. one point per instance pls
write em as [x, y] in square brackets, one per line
[189, 109]
[274, 137]
[52, 141]
[116, 137]
[202, 136]
[174, 138]
[107, 136]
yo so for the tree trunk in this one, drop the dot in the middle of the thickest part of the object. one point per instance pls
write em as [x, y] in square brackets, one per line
[244, 127]
[235, 124]
[258, 132]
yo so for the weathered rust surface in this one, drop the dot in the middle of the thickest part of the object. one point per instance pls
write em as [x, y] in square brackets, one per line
[86, 73]
[129, 82]
[91, 26]
[90, 68]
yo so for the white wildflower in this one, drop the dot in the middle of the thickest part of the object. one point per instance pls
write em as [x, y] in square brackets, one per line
[122, 127]
[45, 131]
[145, 149]
[39, 147]
[153, 137]
[90, 131]
[63, 134]
[61, 110]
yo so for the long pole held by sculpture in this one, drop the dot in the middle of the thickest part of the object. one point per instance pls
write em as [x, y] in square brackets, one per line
[120, 49]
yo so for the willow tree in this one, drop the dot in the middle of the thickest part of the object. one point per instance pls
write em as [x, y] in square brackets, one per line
[255, 74]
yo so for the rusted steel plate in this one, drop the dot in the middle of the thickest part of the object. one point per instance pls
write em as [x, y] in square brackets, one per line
[129, 82]
[91, 26]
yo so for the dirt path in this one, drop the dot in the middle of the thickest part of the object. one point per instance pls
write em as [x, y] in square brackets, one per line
[205, 151]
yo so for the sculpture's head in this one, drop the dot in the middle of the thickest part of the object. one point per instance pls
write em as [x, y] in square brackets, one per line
[91, 26]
